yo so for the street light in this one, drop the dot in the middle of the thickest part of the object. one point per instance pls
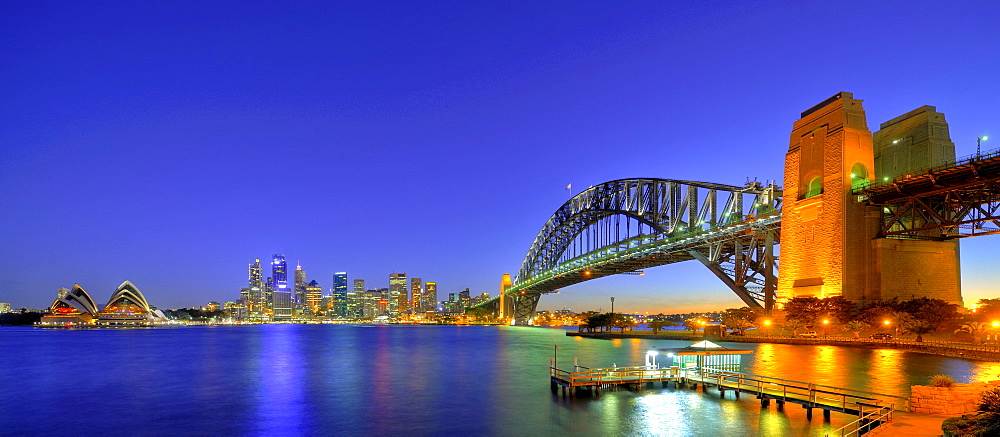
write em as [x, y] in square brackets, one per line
[979, 142]
[826, 328]
[767, 328]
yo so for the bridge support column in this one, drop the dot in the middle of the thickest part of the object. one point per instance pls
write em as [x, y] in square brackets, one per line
[524, 308]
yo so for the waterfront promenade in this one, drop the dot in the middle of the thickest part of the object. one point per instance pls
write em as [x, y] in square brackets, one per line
[969, 351]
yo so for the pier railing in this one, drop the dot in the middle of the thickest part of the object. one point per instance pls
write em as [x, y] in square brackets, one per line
[587, 376]
[806, 393]
[867, 421]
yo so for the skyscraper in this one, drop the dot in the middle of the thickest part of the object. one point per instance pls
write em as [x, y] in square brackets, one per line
[281, 294]
[356, 299]
[255, 279]
[313, 295]
[397, 293]
[416, 294]
[300, 287]
[464, 299]
[430, 296]
[340, 294]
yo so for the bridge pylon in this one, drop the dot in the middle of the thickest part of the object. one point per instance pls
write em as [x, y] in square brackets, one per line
[830, 243]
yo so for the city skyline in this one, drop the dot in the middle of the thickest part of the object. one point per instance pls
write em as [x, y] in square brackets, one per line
[371, 139]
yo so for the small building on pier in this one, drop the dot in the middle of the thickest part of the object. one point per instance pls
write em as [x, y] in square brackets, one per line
[705, 354]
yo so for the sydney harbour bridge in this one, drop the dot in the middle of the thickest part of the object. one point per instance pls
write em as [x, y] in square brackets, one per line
[627, 225]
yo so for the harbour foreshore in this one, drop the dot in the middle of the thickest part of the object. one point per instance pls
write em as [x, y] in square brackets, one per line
[967, 351]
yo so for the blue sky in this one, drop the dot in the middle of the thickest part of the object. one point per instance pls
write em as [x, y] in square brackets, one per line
[172, 143]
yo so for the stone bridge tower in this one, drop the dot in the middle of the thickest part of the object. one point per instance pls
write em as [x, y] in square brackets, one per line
[827, 237]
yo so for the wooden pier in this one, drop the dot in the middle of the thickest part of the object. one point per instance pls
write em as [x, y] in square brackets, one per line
[595, 379]
[872, 409]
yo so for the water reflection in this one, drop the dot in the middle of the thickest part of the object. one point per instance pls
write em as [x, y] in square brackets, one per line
[414, 380]
[885, 370]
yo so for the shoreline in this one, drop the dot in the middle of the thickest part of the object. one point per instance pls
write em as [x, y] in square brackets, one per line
[964, 351]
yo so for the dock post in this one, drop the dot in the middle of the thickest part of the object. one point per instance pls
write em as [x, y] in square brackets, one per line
[809, 413]
[826, 415]
[764, 402]
[576, 365]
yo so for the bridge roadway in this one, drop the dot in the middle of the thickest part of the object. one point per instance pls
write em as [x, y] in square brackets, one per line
[955, 200]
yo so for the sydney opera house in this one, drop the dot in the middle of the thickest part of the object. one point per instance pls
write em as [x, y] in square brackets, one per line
[127, 307]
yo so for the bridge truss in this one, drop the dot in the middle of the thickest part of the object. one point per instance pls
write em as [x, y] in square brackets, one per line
[624, 226]
[957, 200]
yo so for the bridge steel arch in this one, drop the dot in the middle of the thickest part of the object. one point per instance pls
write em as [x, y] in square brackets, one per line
[626, 225]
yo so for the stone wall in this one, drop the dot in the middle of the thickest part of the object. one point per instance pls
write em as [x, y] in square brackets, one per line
[957, 399]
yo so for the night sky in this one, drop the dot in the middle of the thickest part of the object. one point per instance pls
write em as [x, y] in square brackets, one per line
[171, 143]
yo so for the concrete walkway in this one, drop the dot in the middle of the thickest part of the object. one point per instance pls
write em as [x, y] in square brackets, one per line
[914, 424]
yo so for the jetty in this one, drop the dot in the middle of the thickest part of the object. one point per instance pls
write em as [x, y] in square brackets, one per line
[714, 368]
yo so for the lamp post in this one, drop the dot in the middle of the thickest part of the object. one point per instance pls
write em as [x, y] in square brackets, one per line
[979, 142]
[767, 328]
[826, 328]
[612, 304]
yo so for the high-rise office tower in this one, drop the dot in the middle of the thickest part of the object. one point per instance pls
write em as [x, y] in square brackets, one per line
[383, 301]
[255, 279]
[313, 295]
[300, 275]
[299, 296]
[279, 272]
[281, 293]
[340, 294]
[397, 293]
[430, 296]
[465, 299]
[356, 299]
[416, 294]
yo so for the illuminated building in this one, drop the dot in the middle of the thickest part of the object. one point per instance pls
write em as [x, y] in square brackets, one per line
[397, 293]
[356, 299]
[4, 307]
[281, 294]
[383, 301]
[255, 279]
[62, 292]
[339, 288]
[416, 294]
[127, 307]
[370, 300]
[313, 295]
[213, 306]
[464, 299]
[430, 296]
[73, 308]
[300, 285]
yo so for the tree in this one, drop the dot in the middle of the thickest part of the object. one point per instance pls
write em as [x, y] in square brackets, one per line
[988, 310]
[936, 312]
[794, 325]
[977, 330]
[901, 320]
[804, 309]
[693, 325]
[856, 326]
[657, 325]
[918, 327]
[622, 322]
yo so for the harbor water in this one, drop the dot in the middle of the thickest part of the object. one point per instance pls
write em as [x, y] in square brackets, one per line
[400, 380]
